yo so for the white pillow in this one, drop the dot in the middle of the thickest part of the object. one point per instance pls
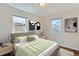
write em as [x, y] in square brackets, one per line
[35, 36]
[20, 39]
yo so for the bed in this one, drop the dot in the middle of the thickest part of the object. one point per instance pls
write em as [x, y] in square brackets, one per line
[37, 47]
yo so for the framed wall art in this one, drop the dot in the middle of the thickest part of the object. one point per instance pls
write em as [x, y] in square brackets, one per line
[71, 25]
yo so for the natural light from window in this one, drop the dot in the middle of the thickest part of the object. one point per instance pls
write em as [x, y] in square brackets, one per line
[19, 24]
[56, 25]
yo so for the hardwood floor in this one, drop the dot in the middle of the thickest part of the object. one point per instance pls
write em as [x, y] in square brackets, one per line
[75, 52]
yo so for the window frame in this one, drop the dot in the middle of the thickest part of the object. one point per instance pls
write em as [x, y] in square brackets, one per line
[26, 24]
[53, 25]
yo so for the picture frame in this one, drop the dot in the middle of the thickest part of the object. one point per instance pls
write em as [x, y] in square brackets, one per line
[71, 24]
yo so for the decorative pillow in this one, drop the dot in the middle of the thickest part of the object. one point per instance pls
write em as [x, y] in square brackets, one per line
[20, 39]
[35, 36]
[30, 38]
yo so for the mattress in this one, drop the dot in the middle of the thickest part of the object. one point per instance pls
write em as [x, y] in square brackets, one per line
[40, 47]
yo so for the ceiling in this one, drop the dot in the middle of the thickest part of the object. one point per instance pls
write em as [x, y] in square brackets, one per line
[50, 8]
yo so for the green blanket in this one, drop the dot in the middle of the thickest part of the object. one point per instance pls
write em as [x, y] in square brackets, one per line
[33, 48]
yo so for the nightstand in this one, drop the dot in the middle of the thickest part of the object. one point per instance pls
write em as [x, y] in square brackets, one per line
[6, 48]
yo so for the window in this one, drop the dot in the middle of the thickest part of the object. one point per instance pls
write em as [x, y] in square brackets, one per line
[19, 24]
[56, 25]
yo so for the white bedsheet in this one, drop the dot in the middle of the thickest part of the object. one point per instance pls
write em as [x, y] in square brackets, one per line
[50, 50]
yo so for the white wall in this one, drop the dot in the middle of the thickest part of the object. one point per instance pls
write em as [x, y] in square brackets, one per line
[67, 39]
[6, 13]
